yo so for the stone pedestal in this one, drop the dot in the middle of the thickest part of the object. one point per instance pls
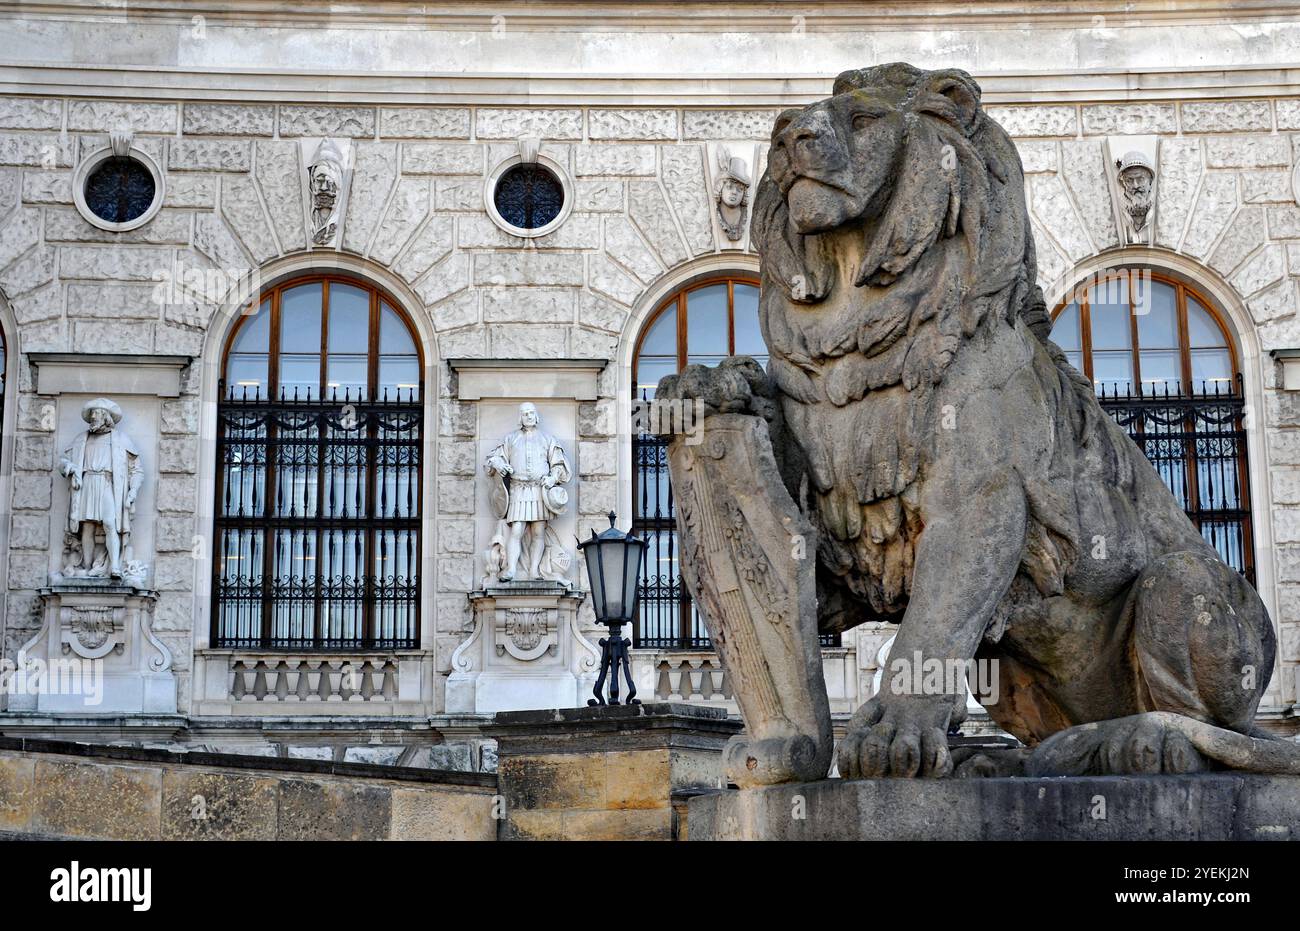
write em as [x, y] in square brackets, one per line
[605, 773]
[95, 653]
[1197, 807]
[525, 651]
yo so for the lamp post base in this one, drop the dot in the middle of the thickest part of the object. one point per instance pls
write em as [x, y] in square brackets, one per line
[613, 658]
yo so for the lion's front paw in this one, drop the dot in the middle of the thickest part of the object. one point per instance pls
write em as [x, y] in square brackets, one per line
[900, 740]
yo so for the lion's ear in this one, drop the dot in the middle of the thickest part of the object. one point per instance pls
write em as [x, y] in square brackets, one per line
[952, 95]
[793, 260]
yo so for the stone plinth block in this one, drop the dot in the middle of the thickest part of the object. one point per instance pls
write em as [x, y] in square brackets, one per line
[525, 650]
[605, 773]
[1198, 807]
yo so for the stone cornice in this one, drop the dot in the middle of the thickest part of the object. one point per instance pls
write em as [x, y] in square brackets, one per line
[674, 15]
[1090, 86]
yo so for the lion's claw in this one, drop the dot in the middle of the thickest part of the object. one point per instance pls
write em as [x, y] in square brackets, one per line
[885, 743]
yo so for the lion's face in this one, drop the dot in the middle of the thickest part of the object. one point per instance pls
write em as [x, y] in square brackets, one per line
[834, 159]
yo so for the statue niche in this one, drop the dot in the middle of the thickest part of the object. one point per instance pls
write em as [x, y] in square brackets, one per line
[952, 472]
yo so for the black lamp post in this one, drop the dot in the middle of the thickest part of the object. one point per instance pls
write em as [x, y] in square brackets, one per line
[614, 567]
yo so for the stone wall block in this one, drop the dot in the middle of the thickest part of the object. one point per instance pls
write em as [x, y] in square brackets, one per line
[314, 120]
[373, 175]
[279, 175]
[406, 211]
[227, 119]
[242, 209]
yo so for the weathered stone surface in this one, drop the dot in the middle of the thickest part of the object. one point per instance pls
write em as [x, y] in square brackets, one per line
[1266, 186]
[1051, 205]
[109, 264]
[429, 245]
[36, 269]
[1226, 116]
[108, 116]
[1284, 222]
[459, 194]
[598, 195]
[227, 119]
[441, 158]
[728, 124]
[209, 155]
[1244, 235]
[424, 122]
[407, 209]
[616, 160]
[191, 191]
[445, 279]
[608, 279]
[202, 805]
[1037, 155]
[651, 214]
[311, 120]
[280, 177]
[434, 815]
[35, 306]
[1214, 205]
[45, 187]
[1177, 179]
[213, 238]
[624, 246]
[1261, 270]
[528, 342]
[1200, 807]
[1055, 120]
[1246, 151]
[532, 305]
[494, 123]
[1275, 302]
[242, 209]
[71, 799]
[29, 531]
[595, 311]
[311, 810]
[36, 150]
[65, 224]
[31, 113]
[638, 124]
[372, 180]
[1129, 119]
[20, 233]
[16, 791]
[1084, 171]
[529, 268]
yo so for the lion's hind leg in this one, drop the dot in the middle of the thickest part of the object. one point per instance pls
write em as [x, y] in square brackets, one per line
[1201, 639]
[1202, 650]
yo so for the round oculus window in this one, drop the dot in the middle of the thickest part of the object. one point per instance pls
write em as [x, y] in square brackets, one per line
[528, 196]
[120, 189]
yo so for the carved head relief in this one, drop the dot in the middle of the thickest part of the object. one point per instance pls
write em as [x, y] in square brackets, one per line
[731, 191]
[1136, 177]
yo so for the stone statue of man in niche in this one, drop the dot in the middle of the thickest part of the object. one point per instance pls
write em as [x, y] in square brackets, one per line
[103, 468]
[530, 468]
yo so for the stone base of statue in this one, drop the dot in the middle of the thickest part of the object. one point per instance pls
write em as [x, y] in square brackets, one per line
[95, 653]
[1195, 807]
[526, 651]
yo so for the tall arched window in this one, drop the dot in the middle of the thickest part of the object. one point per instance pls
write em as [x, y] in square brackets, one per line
[702, 323]
[318, 473]
[1164, 366]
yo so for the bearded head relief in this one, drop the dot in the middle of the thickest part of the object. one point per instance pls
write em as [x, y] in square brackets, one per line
[1136, 177]
[325, 186]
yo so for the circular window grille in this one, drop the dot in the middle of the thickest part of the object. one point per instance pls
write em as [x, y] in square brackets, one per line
[119, 190]
[529, 196]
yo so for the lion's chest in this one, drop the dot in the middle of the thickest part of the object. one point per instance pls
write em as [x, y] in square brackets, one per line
[864, 461]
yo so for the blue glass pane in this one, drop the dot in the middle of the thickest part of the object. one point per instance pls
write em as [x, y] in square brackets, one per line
[1065, 331]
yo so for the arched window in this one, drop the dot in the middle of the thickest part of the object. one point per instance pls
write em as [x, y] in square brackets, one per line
[1164, 366]
[702, 323]
[318, 473]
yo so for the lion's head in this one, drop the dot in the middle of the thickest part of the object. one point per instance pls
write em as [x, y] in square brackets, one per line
[906, 156]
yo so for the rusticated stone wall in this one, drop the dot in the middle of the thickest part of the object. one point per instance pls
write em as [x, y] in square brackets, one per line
[642, 211]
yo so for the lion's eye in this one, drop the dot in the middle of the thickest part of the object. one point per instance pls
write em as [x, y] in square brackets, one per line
[862, 120]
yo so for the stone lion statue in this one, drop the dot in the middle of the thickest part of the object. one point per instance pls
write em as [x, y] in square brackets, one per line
[943, 465]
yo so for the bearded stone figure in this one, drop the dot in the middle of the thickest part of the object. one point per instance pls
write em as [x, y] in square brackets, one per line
[919, 437]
